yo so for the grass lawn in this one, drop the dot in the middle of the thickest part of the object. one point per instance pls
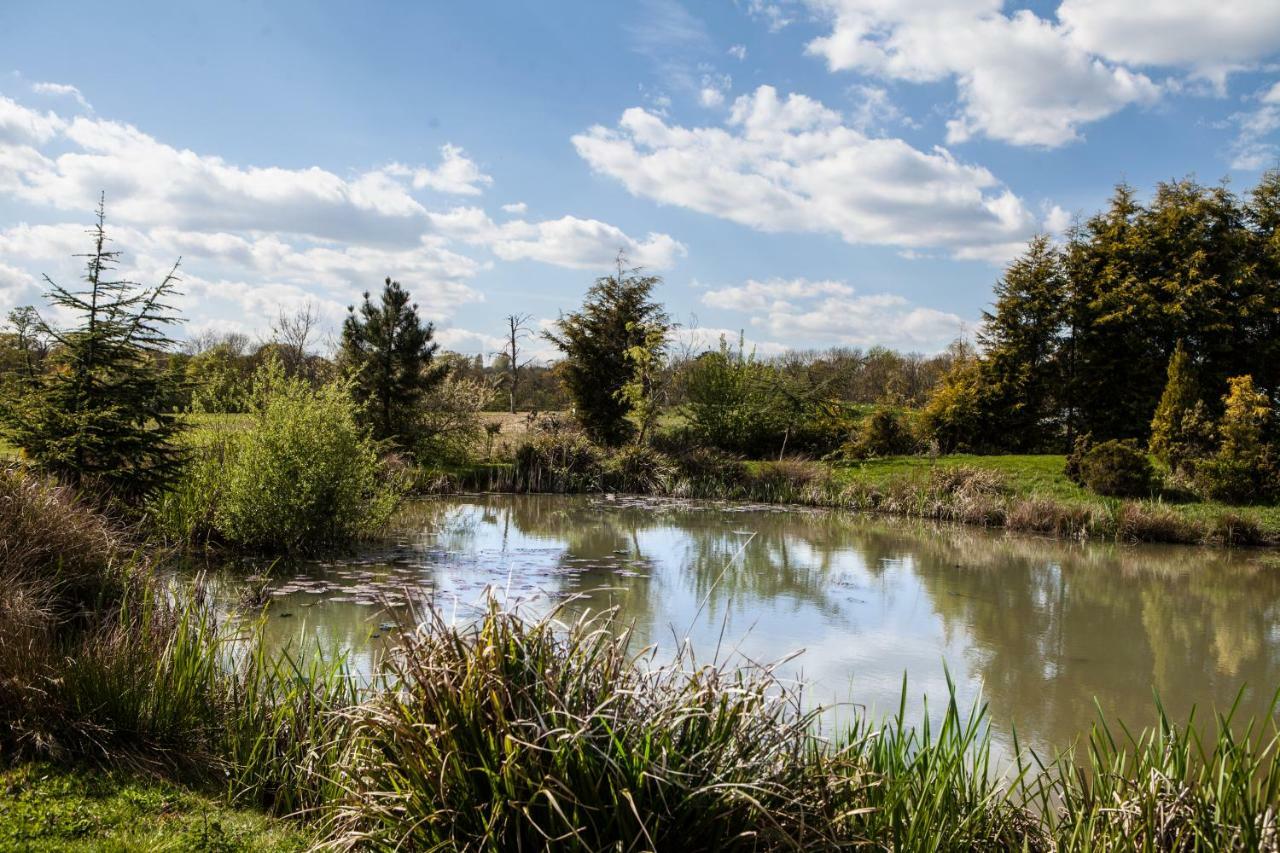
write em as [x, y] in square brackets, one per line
[47, 808]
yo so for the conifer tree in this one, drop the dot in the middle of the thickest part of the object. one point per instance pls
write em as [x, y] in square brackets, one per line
[389, 352]
[1021, 339]
[102, 416]
[618, 314]
[1180, 430]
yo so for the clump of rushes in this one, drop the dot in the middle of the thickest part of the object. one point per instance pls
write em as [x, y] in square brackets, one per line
[518, 735]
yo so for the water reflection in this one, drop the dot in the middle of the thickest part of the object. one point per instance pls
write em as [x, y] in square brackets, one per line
[1038, 628]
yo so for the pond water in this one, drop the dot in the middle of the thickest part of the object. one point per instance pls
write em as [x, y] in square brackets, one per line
[1038, 629]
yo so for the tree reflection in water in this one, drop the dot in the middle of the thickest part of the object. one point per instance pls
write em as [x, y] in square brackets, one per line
[1039, 627]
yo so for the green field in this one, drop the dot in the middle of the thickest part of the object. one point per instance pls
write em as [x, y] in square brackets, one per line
[47, 808]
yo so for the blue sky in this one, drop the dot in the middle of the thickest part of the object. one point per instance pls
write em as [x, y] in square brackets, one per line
[816, 172]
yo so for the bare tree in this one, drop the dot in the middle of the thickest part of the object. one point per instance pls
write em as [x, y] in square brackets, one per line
[293, 331]
[517, 331]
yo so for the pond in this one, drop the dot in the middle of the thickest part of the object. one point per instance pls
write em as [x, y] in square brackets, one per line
[1036, 628]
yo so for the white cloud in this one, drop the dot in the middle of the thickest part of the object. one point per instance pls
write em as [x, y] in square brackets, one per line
[697, 339]
[738, 52]
[517, 208]
[873, 109]
[830, 312]
[1019, 78]
[567, 241]
[456, 174]
[61, 90]
[25, 127]
[774, 13]
[251, 236]
[1255, 146]
[775, 293]
[713, 89]
[791, 164]
[1211, 37]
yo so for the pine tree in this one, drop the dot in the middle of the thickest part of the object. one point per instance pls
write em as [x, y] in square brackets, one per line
[617, 315]
[102, 416]
[389, 353]
[1180, 430]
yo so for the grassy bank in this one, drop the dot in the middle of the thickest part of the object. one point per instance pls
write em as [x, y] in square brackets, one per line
[46, 807]
[1022, 493]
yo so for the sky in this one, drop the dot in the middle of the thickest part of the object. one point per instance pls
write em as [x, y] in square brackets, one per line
[812, 173]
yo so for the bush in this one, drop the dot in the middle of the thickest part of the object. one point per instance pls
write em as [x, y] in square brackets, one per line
[449, 424]
[884, 433]
[730, 406]
[1224, 478]
[304, 475]
[1117, 469]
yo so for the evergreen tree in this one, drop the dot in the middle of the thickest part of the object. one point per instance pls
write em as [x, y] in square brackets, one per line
[101, 417]
[618, 314]
[1180, 430]
[388, 351]
[1021, 340]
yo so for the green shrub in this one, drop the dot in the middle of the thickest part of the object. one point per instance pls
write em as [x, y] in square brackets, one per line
[305, 474]
[1117, 469]
[730, 406]
[884, 433]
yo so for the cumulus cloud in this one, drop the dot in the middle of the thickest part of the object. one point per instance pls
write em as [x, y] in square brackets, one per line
[738, 51]
[831, 312]
[252, 236]
[518, 207]
[1020, 79]
[1210, 37]
[1031, 80]
[567, 241]
[791, 164]
[456, 174]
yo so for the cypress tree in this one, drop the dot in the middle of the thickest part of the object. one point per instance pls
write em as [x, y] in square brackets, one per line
[102, 416]
[389, 351]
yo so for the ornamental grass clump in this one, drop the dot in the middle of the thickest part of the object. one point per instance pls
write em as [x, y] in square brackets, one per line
[519, 735]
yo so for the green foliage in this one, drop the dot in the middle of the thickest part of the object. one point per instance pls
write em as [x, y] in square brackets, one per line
[388, 352]
[219, 379]
[102, 415]
[729, 401]
[642, 390]
[955, 417]
[449, 425]
[884, 433]
[305, 474]
[1081, 338]
[1181, 431]
[1244, 468]
[1118, 469]
[617, 316]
